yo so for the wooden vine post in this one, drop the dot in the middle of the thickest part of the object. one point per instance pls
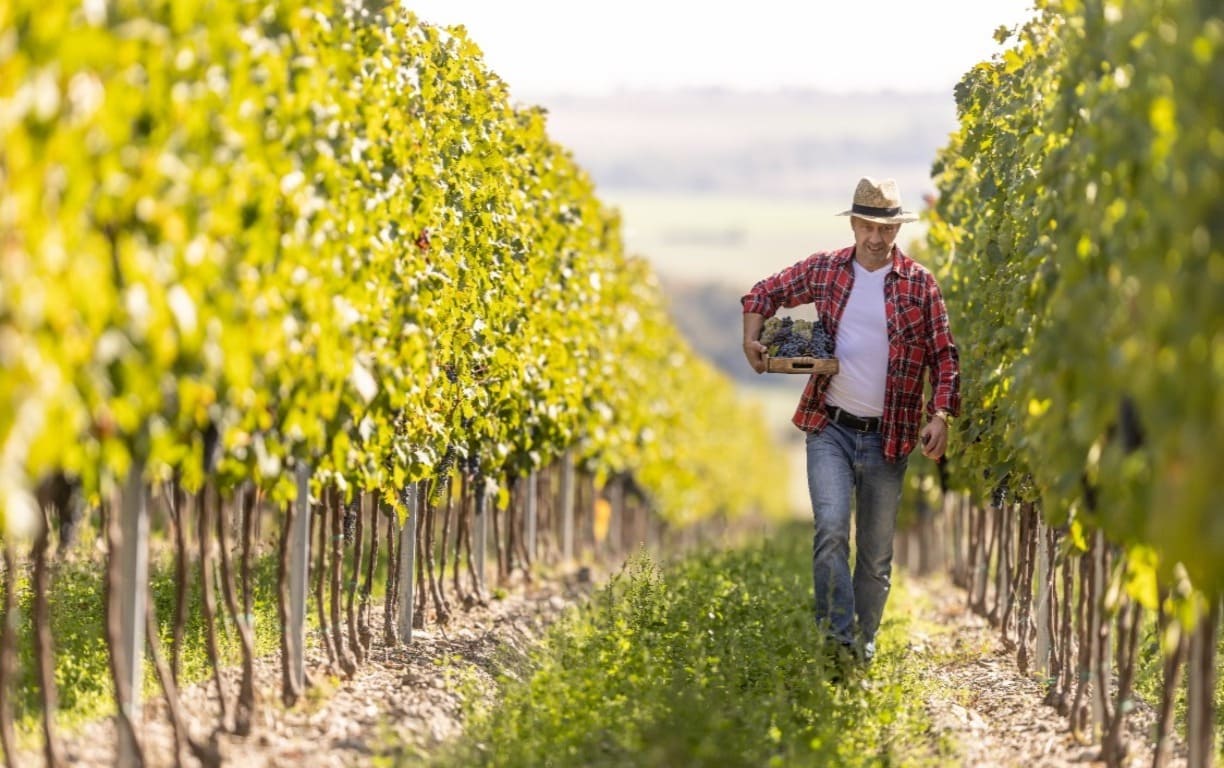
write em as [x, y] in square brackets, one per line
[533, 508]
[481, 539]
[616, 524]
[567, 506]
[299, 567]
[951, 503]
[1200, 687]
[1045, 585]
[414, 500]
[1101, 640]
[133, 556]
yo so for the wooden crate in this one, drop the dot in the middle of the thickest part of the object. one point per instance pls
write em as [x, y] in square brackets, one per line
[801, 365]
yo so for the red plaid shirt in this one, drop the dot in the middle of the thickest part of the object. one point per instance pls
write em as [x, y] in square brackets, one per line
[918, 338]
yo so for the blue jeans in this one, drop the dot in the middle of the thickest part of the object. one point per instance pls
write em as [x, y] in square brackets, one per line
[842, 462]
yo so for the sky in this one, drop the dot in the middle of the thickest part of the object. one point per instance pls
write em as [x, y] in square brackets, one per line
[568, 46]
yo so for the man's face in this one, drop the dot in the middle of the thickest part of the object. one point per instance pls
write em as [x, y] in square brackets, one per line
[873, 239]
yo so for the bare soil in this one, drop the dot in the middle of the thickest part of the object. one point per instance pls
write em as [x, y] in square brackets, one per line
[405, 701]
[995, 714]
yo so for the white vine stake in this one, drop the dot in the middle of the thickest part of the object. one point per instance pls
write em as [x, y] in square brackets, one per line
[133, 557]
[299, 566]
[482, 536]
[567, 506]
[532, 514]
[407, 558]
[1043, 601]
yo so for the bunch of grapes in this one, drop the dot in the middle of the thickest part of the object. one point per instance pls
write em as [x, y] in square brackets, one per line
[351, 510]
[788, 337]
[470, 465]
[443, 470]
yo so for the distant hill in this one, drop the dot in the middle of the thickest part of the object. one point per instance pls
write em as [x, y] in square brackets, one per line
[780, 143]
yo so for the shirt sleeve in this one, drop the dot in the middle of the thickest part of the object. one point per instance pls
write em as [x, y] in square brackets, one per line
[788, 288]
[944, 358]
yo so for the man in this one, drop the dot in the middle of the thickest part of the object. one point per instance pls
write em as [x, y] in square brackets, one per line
[888, 322]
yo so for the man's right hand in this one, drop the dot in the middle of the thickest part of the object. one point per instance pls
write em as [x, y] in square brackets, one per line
[755, 352]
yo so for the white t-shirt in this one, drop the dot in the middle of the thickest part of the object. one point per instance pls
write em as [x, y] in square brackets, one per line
[862, 347]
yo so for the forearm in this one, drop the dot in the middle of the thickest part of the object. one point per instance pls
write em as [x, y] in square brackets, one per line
[945, 381]
[944, 359]
[753, 323]
[754, 350]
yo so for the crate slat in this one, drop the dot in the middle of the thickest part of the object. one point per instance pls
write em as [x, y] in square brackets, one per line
[801, 365]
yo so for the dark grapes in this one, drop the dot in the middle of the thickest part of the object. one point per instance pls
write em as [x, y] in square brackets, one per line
[788, 337]
[351, 510]
[443, 472]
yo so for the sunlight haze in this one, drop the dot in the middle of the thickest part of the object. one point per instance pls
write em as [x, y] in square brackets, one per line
[547, 46]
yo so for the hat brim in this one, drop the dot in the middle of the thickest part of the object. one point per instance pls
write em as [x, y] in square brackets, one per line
[902, 218]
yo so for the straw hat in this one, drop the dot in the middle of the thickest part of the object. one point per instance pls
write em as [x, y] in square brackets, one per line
[878, 202]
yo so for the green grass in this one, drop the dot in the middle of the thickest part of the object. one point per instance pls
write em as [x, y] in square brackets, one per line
[710, 661]
[82, 671]
[1149, 681]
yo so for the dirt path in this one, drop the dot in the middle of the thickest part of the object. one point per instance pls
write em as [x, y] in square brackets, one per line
[994, 713]
[404, 702]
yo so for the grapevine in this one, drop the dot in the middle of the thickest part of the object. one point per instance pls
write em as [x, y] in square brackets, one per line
[1088, 293]
[315, 245]
[1077, 237]
[252, 249]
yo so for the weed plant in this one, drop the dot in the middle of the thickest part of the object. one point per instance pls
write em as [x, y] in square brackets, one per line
[78, 630]
[1149, 681]
[712, 661]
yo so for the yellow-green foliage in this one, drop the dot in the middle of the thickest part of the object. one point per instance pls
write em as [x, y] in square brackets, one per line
[327, 232]
[1080, 225]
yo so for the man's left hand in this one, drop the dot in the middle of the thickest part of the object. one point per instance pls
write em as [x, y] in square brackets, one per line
[934, 437]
